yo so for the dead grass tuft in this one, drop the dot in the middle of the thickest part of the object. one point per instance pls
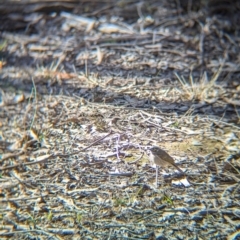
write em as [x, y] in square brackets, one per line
[202, 90]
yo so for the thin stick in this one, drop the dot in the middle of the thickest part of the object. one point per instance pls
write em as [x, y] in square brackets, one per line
[35, 96]
[73, 153]
[44, 159]
[55, 155]
[117, 145]
[139, 158]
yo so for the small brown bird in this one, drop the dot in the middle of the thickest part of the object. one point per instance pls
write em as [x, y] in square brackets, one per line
[162, 159]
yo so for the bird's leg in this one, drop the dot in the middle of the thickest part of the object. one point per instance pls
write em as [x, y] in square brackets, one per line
[156, 176]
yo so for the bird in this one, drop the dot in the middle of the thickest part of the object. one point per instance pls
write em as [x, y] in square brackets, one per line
[161, 158]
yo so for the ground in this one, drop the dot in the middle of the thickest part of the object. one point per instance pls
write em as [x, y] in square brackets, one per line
[87, 88]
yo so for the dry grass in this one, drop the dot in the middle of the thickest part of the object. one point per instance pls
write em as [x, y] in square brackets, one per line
[56, 193]
[74, 131]
[202, 90]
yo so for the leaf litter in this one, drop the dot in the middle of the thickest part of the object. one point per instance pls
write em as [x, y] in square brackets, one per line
[77, 119]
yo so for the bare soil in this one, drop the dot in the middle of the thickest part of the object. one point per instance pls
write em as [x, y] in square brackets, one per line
[87, 87]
